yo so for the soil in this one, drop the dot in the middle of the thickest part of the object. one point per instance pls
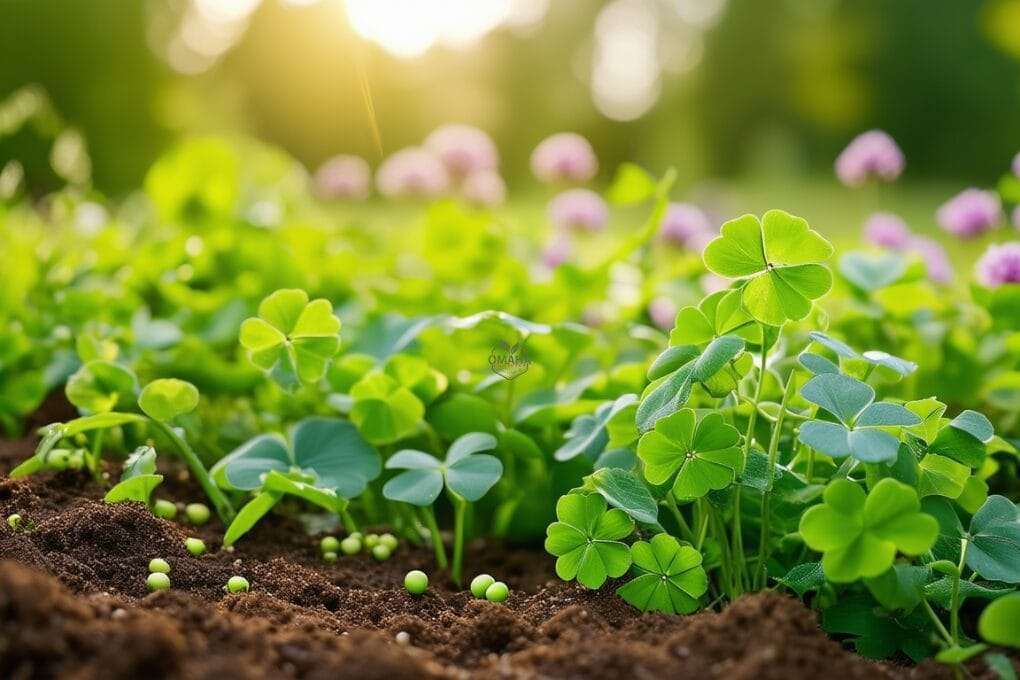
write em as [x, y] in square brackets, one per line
[73, 604]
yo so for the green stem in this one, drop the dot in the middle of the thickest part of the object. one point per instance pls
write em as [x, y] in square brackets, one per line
[939, 626]
[954, 612]
[760, 572]
[685, 528]
[350, 526]
[437, 540]
[97, 452]
[223, 507]
[459, 511]
[508, 406]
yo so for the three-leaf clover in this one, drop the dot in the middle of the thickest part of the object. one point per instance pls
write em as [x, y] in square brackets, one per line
[586, 540]
[292, 339]
[859, 534]
[857, 433]
[718, 314]
[383, 409]
[780, 257]
[466, 472]
[670, 576]
[704, 455]
[992, 541]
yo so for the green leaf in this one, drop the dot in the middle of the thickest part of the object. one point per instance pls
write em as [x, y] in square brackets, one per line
[840, 395]
[997, 624]
[99, 421]
[623, 489]
[244, 467]
[941, 591]
[586, 540]
[941, 476]
[101, 386]
[466, 472]
[669, 577]
[876, 633]
[899, 588]
[817, 364]
[930, 412]
[664, 397]
[994, 549]
[804, 578]
[141, 462]
[336, 453]
[631, 185]
[1000, 665]
[167, 398]
[703, 455]
[248, 516]
[588, 434]
[870, 271]
[719, 352]
[384, 410]
[327, 499]
[672, 359]
[137, 488]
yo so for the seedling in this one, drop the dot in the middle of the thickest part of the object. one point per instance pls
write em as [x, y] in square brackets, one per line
[467, 475]
[164, 509]
[497, 592]
[158, 565]
[197, 513]
[139, 478]
[157, 581]
[195, 546]
[236, 584]
[14, 521]
[481, 583]
[416, 582]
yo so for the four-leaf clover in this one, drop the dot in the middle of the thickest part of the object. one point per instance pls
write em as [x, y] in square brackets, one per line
[586, 540]
[466, 472]
[670, 576]
[859, 534]
[780, 257]
[704, 455]
[856, 434]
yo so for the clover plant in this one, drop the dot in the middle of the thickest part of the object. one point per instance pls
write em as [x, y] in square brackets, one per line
[586, 539]
[670, 578]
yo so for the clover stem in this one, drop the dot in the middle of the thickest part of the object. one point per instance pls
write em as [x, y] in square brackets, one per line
[459, 511]
[939, 626]
[685, 528]
[408, 523]
[954, 612]
[437, 540]
[761, 571]
[508, 405]
[350, 526]
[223, 507]
[727, 563]
[97, 452]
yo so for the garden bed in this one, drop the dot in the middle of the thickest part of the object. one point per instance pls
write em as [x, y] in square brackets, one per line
[73, 603]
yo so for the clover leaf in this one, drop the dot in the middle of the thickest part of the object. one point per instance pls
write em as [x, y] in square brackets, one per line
[704, 455]
[586, 540]
[857, 433]
[993, 549]
[670, 577]
[869, 360]
[166, 398]
[101, 386]
[997, 624]
[964, 439]
[859, 534]
[718, 314]
[466, 472]
[780, 257]
[292, 339]
[384, 410]
[589, 433]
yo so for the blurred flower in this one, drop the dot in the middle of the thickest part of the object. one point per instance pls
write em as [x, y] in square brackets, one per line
[557, 252]
[662, 312]
[412, 172]
[1000, 264]
[682, 222]
[578, 209]
[887, 230]
[970, 213]
[871, 155]
[343, 177]
[1016, 165]
[712, 283]
[698, 242]
[564, 157]
[463, 149]
[484, 188]
[934, 256]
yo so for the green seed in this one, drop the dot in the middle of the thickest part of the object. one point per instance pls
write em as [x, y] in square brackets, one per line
[389, 540]
[165, 509]
[381, 553]
[329, 557]
[416, 582]
[350, 545]
[481, 583]
[371, 540]
[357, 535]
[237, 584]
[497, 592]
[329, 545]
[14, 521]
[195, 546]
[158, 565]
[158, 581]
[197, 513]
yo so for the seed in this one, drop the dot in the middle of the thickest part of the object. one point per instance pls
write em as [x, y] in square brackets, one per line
[14, 521]
[381, 553]
[497, 592]
[356, 534]
[195, 546]
[158, 565]
[389, 540]
[237, 584]
[371, 540]
[403, 638]
[158, 581]
[197, 513]
[350, 545]
[481, 583]
[416, 582]
[329, 544]
[164, 508]
[329, 557]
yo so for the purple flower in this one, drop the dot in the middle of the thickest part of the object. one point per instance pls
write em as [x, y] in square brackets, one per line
[343, 177]
[887, 230]
[934, 256]
[412, 173]
[484, 188]
[970, 213]
[712, 283]
[1000, 264]
[1016, 165]
[578, 209]
[662, 312]
[871, 155]
[557, 252]
[564, 157]
[463, 149]
[682, 223]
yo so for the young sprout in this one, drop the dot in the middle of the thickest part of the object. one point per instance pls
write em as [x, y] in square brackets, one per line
[481, 583]
[164, 509]
[195, 546]
[329, 544]
[389, 540]
[158, 565]
[14, 521]
[416, 582]
[236, 584]
[497, 592]
[350, 545]
[381, 552]
[158, 581]
[329, 557]
[371, 540]
[197, 513]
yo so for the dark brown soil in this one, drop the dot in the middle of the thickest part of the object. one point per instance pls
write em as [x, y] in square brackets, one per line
[73, 604]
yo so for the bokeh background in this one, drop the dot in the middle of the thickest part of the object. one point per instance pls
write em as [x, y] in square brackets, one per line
[749, 100]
